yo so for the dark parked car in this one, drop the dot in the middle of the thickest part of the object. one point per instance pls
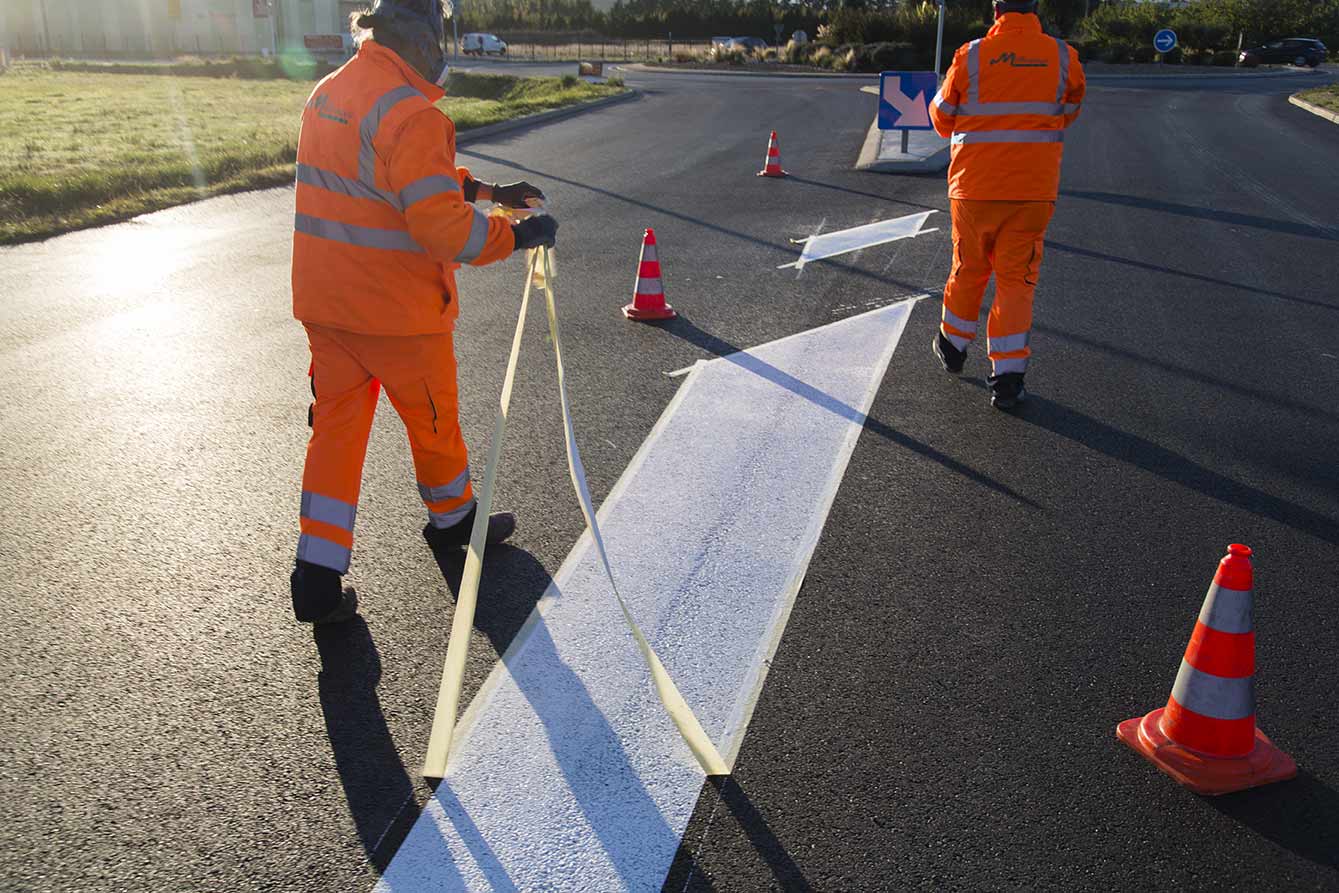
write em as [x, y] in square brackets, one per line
[1295, 50]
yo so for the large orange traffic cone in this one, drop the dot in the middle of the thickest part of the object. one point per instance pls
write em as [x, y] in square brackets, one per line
[1206, 737]
[648, 297]
[772, 167]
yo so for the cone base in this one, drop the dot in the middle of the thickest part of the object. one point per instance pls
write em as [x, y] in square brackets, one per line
[1205, 775]
[649, 314]
[767, 172]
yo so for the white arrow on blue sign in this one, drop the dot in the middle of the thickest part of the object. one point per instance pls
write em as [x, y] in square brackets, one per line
[1165, 40]
[904, 99]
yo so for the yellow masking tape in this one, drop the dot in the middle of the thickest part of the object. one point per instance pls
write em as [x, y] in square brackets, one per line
[453, 671]
[540, 272]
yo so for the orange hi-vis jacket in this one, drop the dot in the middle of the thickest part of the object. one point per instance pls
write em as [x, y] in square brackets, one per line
[1006, 102]
[381, 221]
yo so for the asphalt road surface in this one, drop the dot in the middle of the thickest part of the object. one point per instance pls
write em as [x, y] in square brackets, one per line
[990, 595]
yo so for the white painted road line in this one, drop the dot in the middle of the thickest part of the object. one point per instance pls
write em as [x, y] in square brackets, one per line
[566, 773]
[844, 241]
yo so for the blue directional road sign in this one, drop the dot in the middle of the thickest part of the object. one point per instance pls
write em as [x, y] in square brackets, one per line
[1165, 40]
[904, 99]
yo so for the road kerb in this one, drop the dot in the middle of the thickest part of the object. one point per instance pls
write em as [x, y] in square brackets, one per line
[501, 127]
[870, 160]
[1314, 109]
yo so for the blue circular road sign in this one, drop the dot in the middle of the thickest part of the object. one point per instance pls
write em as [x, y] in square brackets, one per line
[1165, 40]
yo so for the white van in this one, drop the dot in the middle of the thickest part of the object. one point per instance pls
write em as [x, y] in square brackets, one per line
[482, 45]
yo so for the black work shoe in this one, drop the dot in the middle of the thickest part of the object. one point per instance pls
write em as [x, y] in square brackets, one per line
[318, 595]
[501, 525]
[1007, 391]
[949, 356]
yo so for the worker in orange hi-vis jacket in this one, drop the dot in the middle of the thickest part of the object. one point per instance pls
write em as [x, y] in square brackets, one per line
[384, 218]
[1005, 102]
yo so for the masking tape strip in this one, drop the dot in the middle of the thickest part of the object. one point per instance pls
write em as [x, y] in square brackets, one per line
[708, 757]
[462, 623]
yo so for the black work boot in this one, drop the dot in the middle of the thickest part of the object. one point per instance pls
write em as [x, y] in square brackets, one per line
[949, 356]
[319, 596]
[501, 525]
[1007, 391]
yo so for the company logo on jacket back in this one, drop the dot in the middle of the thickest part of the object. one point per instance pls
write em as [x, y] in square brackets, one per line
[1020, 61]
[330, 113]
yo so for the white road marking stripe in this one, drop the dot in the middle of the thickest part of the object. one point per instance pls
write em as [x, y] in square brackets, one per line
[844, 241]
[566, 772]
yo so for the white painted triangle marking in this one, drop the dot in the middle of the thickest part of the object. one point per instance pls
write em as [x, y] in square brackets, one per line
[844, 241]
[567, 774]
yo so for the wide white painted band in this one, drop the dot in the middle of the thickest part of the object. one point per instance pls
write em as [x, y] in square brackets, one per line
[567, 773]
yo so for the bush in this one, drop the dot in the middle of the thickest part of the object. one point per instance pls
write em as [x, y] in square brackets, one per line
[570, 80]
[1175, 57]
[1117, 53]
[1226, 58]
[822, 57]
[1195, 58]
[1142, 54]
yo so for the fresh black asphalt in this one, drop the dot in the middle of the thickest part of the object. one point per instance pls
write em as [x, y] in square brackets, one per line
[991, 595]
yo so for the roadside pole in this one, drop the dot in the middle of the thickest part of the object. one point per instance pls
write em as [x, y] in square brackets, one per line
[939, 52]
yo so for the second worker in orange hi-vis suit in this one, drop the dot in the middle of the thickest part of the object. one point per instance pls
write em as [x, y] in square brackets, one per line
[1005, 103]
[384, 217]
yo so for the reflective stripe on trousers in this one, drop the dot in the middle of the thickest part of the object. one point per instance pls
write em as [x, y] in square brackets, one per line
[319, 550]
[453, 490]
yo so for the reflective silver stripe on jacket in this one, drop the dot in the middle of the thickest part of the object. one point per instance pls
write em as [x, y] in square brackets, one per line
[1008, 343]
[1220, 697]
[974, 105]
[371, 123]
[974, 71]
[943, 106]
[958, 322]
[1011, 108]
[328, 510]
[362, 236]
[1008, 136]
[454, 490]
[333, 182]
[1012, 364]
[474, 245]
[1227, 610]
[1071, 107]
[427, 187]
[317, 550]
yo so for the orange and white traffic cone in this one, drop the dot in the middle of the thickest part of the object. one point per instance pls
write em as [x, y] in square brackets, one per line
[772, 167]
[1206, 737]
[648, 296]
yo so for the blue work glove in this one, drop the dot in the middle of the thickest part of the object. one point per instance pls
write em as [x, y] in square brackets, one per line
[533, 232]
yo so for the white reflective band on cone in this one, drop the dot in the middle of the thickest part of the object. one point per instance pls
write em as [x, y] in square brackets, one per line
[444, 720]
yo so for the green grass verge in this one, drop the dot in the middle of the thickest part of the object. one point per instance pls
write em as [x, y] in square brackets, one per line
[1326, 97]
[79, 149]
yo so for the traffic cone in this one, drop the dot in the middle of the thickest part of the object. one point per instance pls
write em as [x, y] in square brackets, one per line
[648, 297]
[772, 168]
[1206, 737]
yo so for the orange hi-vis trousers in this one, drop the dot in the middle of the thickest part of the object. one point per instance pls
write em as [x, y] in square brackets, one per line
[348, 372]
[1004, 238]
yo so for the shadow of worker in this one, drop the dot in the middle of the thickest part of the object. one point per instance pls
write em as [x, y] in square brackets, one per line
[377, 788]
[620, 811]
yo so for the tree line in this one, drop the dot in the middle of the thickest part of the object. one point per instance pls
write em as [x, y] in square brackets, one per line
[864, 21]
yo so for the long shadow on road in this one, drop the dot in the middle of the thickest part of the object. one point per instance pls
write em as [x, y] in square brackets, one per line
[682, 327]
[684, 874]
[378, 789]
[1149, 456]
[1301, 815]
